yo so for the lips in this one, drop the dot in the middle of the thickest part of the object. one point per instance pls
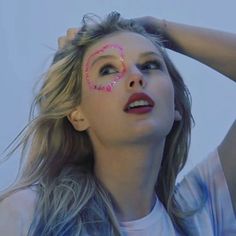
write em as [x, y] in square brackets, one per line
[136, 97]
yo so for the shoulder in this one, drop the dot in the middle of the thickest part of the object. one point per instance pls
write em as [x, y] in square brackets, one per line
[206, 180]
[204, 191]
[227, 154]
[16, 212]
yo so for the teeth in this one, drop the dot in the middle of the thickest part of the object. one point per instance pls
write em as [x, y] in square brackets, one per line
[138, 103]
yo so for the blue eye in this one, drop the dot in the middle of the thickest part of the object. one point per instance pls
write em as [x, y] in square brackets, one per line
[107, 69]
[151, 65]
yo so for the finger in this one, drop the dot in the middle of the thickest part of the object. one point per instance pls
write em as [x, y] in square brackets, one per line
[62, 41]
[71, 33]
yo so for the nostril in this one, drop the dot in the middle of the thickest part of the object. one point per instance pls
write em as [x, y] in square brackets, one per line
[141, 82]
[131, 83]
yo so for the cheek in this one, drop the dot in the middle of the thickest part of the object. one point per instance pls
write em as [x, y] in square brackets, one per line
[165, 110]
[164, 91]
[169, 93]
[95, 105]
[101, 116]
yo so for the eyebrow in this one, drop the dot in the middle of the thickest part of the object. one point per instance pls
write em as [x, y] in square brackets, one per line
[144, 54]
[102, 58]
[150, 53]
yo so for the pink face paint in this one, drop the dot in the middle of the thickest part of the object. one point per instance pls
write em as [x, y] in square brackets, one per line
[110, 85]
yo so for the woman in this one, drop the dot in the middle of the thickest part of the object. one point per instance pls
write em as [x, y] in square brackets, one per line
[111, 134]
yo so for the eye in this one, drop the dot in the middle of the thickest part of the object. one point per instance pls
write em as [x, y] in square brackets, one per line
[151, 65]
[108, 69]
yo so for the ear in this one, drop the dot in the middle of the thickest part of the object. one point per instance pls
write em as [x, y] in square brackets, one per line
[78, 120]
[178, 116]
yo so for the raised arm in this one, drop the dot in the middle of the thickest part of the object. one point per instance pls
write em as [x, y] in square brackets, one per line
[214, 48]
[218, 50]
[227, 153]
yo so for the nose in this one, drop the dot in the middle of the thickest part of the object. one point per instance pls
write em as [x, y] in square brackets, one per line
[135, 78]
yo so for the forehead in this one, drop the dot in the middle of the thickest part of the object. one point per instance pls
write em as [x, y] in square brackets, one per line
[132, 44]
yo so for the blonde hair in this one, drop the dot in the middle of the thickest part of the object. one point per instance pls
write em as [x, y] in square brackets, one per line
[71, 200]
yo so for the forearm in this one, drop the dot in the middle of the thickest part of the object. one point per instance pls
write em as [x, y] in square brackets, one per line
[214, 48]
[227, 154]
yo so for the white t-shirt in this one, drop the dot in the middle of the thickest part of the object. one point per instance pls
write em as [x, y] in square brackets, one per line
[207, 180]
[216, 217]
[157, 222]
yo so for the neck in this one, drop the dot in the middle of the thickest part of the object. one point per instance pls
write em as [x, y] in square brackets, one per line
[130, 174]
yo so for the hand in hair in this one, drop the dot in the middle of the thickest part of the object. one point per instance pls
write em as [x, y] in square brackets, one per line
[211, 47]
[151, 24]
[70, 35]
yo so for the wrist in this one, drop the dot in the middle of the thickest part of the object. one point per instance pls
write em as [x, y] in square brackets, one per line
[164, 26]
[165, 32]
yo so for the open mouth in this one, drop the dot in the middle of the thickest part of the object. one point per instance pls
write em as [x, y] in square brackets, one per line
[139, 103]
[140, 109]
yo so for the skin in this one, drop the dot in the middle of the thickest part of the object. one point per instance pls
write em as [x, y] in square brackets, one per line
[213, 48]
[108, 82]
[128, 147]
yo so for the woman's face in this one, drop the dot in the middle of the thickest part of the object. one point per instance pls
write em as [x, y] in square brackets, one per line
[115, 68]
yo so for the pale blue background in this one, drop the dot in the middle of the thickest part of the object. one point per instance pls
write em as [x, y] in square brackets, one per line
[28, 38]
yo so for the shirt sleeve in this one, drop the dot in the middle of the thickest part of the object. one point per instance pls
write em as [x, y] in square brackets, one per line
[203, 196]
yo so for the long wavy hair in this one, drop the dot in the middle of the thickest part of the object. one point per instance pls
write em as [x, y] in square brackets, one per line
[59, 160]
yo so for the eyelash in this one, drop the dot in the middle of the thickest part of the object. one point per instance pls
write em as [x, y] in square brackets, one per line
[157, 65]
[103, 69]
